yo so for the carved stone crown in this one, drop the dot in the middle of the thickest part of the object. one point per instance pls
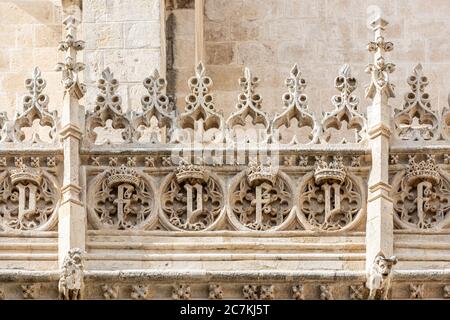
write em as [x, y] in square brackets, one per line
[123, 174]
[186, 171]
[329, 172]
[26, 175]
[258, 173]
[422, 171]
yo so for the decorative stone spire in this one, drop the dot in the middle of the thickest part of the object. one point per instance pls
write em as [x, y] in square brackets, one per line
[380, 69]
[296, 106]
[379, 227]
[345, 107]
[249, 103]
[416, 120]
[70, 68]
[35, 106]
[200, 108]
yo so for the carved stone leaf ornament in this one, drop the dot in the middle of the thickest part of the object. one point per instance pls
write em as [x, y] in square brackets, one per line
[155, 123]
[249, 105]
[121, 198]
[330, 199]
[35, 107]
[200, 114]
[260, 199]
[345, 108]
[108, 108]
[421, 196]
[29, 199]
[192, 199]
[416, 120]
[296, 107]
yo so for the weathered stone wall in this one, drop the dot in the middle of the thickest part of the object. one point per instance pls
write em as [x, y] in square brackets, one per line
[125, 36]
[269, 36]
[29, 33]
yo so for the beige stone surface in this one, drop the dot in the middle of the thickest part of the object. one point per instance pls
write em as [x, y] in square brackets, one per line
[96, 202]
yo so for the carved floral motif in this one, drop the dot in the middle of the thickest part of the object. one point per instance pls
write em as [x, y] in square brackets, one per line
[421, 195]
[29, 198]
[296, 107]
[330, 199]
[345, 108]
[35, 107]
[261, 199]
[121, 198]
[108, 107]
[156, 121]
[192, 199]
[416, 120]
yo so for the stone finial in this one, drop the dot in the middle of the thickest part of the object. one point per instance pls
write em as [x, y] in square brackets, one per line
[345, 108]
[379, 69]
[416, 120]
[249, 103]
[35, 106]
[296, 106]
[70, 68]
[200, 112]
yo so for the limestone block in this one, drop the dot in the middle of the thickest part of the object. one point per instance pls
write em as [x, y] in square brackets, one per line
[219, 53]
[131, 10]
[304, 9]
[7, 34]
[220, 10]
[12, 12]
[103, 35]
[25, 35]
[217, 31]
[254, 53]
[142, 34]
[47, 35]
[132, 64]
[4, 60]
[94, 11]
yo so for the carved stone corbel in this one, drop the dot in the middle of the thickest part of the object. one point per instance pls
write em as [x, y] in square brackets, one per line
[71, 281]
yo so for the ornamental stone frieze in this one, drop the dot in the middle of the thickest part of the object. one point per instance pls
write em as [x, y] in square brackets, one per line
[421, 195]
[261, 198]
[192, 199]
[331, 198]
[121, 198]
[30, 196]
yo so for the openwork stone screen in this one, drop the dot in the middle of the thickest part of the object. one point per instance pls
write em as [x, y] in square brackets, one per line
[126, 204]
